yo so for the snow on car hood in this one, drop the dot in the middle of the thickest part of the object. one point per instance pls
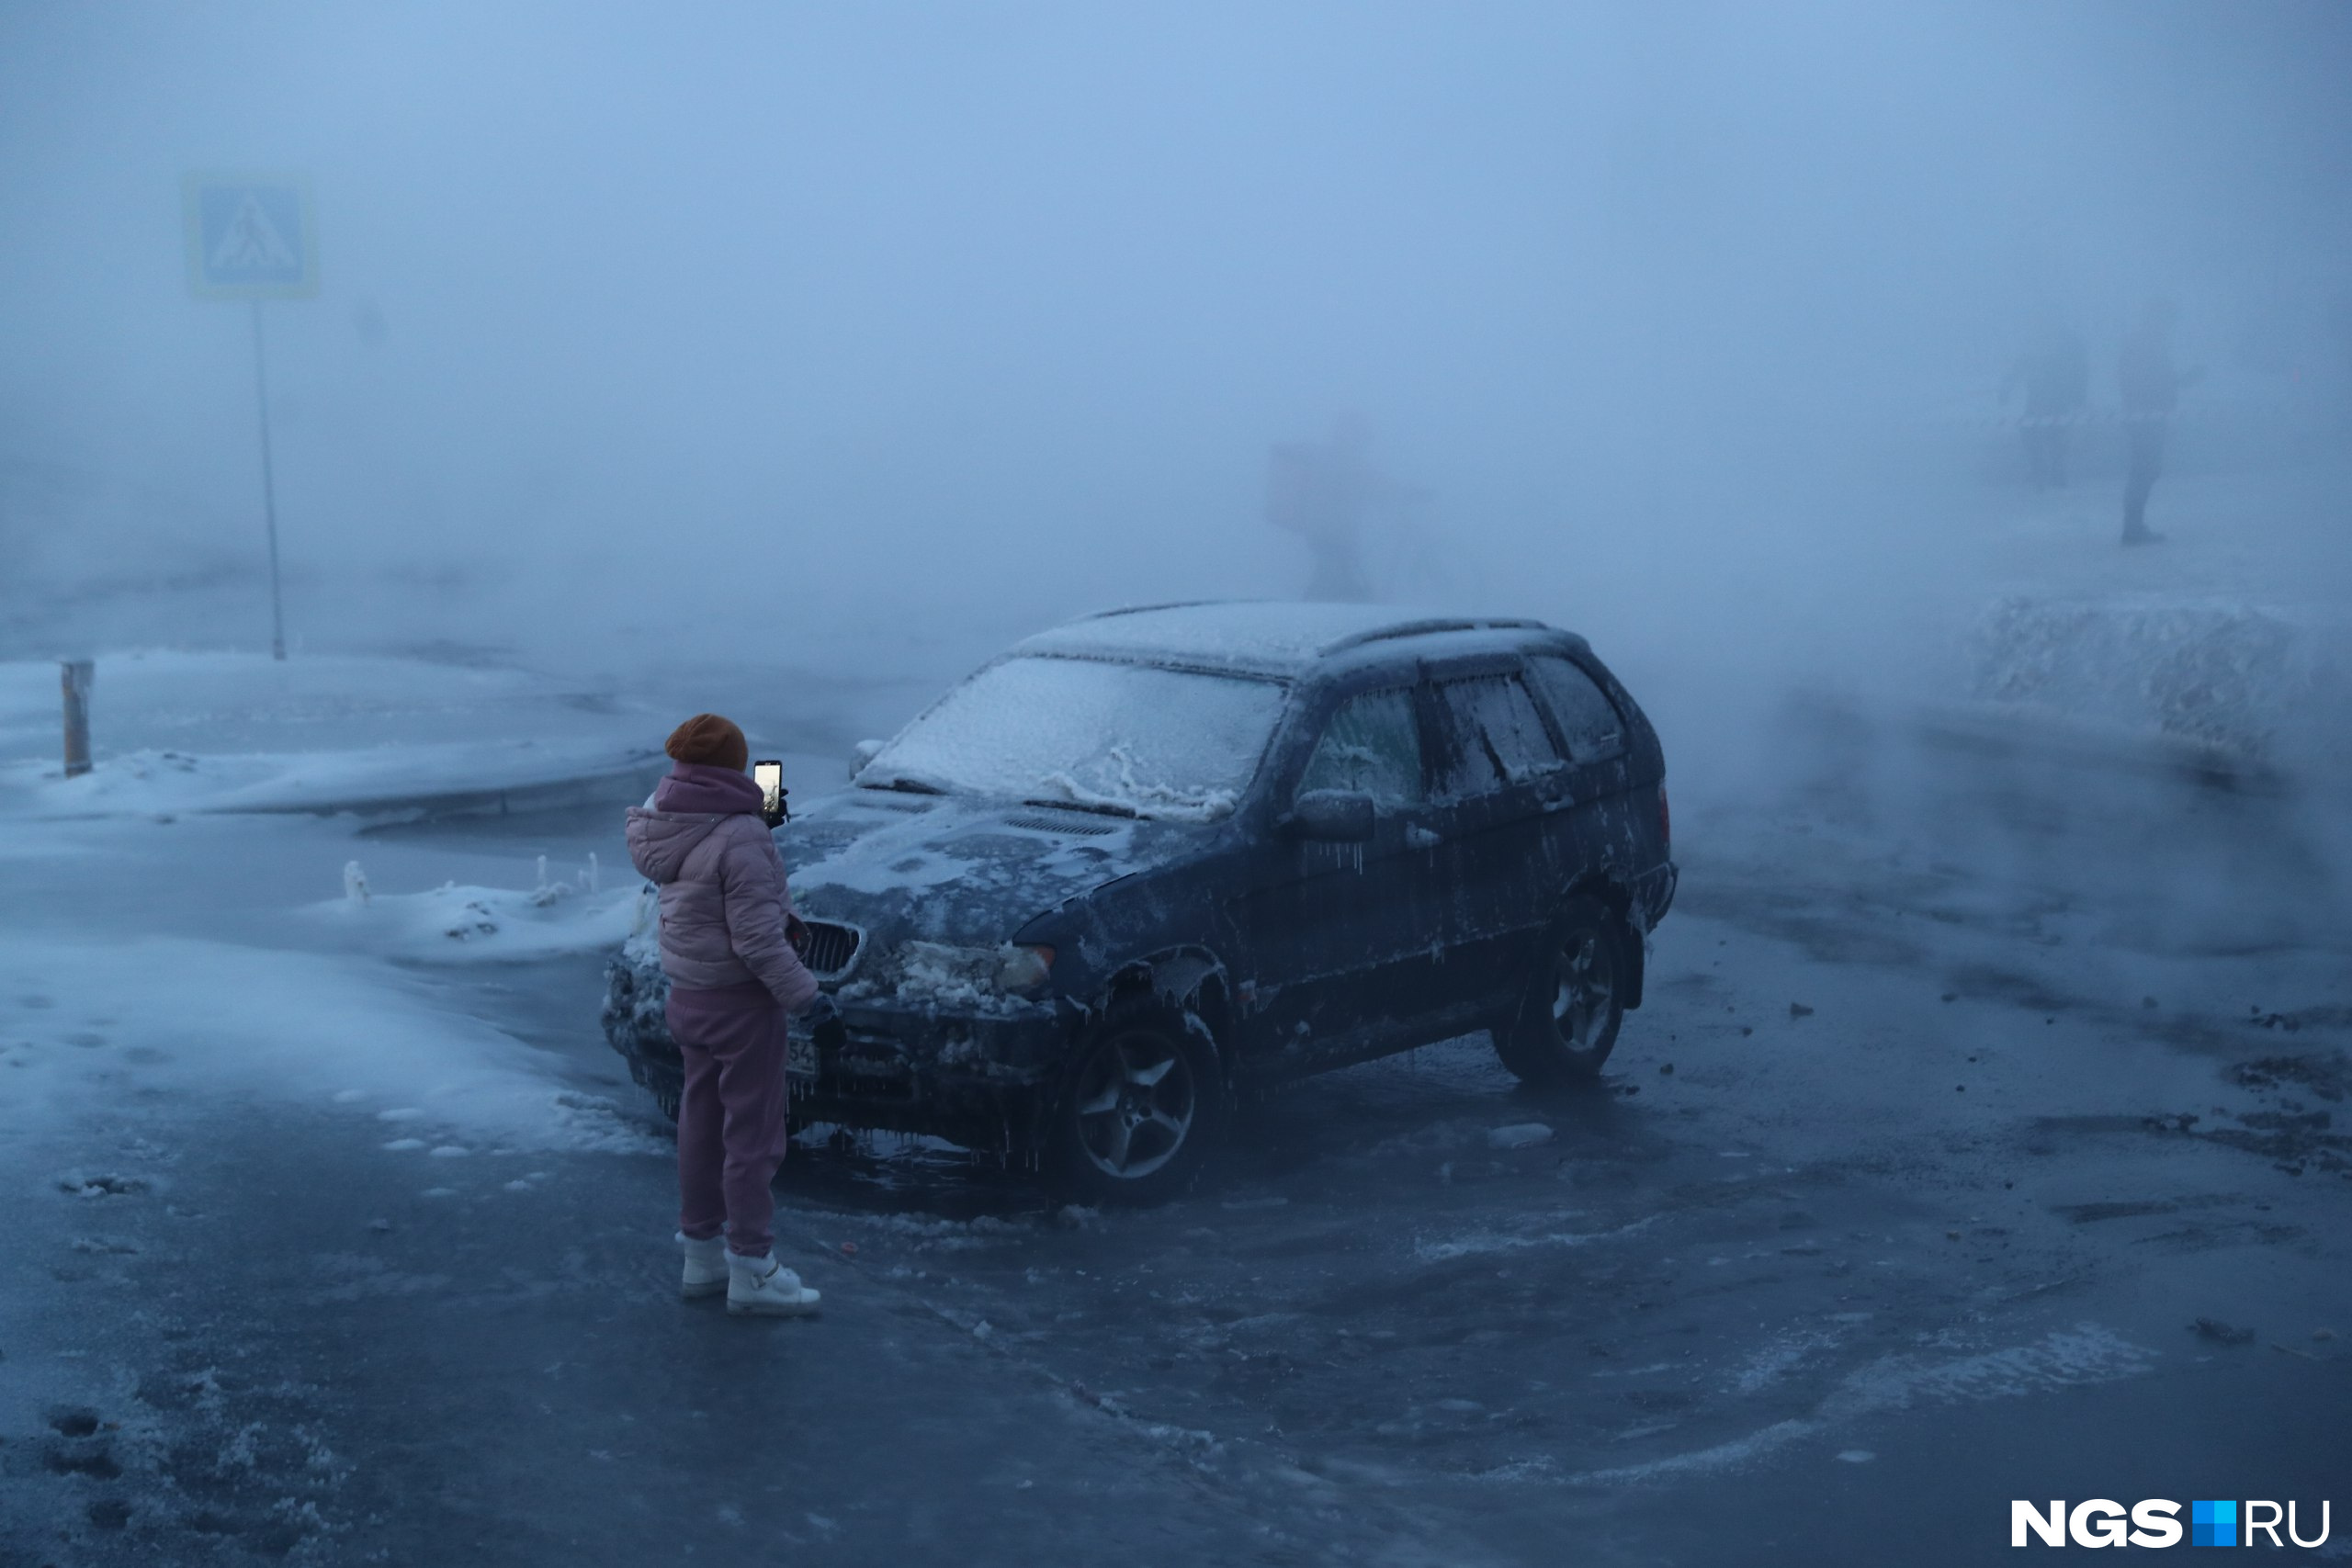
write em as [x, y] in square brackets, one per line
[953, 869]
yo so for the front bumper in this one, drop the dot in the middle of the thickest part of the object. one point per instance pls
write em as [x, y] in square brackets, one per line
[975, 1077]
[972, 1077]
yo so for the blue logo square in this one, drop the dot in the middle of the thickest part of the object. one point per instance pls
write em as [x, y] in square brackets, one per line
[2212, 1524]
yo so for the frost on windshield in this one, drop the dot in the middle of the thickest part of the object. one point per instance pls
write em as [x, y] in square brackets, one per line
[1129, 738]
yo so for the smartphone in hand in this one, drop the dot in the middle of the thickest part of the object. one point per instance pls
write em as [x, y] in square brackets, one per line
[769, 775]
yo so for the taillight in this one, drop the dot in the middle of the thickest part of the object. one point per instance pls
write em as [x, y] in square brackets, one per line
[1664, 820]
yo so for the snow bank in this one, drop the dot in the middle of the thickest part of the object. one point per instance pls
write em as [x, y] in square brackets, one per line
[167, 699]
[382, 777]
[209, 1022]
[179, 732]
[2233, 675]
[467, 924]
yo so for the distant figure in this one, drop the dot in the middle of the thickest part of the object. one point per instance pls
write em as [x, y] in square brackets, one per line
[1318, 490]
[735, 972]
[2151, 388]
[2055, 371]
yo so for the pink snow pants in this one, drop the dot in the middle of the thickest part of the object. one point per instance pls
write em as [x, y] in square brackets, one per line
[731, 1116]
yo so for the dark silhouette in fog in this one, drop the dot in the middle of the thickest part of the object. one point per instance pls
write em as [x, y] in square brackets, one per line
[2151, 386]
[1319, 491]
[2055, 372]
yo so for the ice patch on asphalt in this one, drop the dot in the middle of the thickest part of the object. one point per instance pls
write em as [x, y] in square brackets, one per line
[2066, 1357]
[926, 1233]
[1786, 1354]
[244, 1022]
[2085, 1353]
[1478, 1242]
[1722, 1456]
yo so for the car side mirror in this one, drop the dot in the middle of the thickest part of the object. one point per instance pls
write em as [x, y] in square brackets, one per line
[865, 752]
[1331, 816]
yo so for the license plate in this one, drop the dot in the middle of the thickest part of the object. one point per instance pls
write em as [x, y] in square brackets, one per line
[799, 1056]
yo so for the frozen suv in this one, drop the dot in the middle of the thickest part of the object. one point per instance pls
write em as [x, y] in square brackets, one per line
[1152, 860]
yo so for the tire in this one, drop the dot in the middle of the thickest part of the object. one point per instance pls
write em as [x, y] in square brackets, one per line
[1575, 1001]
[1138, 1109]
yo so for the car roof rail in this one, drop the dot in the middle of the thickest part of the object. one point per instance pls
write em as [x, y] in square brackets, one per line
[1143, 609]
[1434, 625]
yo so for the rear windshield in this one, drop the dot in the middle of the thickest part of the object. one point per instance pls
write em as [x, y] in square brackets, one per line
[1123, 737]
[1594, 731]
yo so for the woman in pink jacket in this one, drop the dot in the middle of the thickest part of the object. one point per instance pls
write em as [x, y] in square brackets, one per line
[727, 921]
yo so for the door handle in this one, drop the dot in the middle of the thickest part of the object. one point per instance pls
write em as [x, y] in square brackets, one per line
[1420, 838]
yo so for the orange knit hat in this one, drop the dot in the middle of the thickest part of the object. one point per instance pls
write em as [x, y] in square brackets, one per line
[706, 737]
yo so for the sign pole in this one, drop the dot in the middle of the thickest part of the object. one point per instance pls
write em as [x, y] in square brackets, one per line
[268, 492]
[253, 237]
[77, 675]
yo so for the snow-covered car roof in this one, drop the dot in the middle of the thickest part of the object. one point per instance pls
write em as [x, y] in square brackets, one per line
[1266, 637]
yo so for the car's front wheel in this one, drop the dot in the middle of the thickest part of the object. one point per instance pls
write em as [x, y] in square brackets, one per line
[1138, 1109]
[1575, 1001]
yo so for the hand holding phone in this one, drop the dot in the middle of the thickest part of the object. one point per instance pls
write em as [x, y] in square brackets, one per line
[768, 773]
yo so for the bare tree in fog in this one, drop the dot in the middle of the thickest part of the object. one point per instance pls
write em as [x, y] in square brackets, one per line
[1367, 533]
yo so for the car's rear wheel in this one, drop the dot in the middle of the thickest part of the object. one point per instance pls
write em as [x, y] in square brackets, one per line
[1575, 1001]
[1138, 1109]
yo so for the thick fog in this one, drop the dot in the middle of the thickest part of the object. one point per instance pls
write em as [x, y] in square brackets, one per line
[1401, 1135]
[655, 335]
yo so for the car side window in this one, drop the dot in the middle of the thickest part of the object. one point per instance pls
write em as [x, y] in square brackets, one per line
[1497, 735]
[1590, 726]
[1373, 744]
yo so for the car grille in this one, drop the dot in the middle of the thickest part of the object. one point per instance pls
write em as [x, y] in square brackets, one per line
[1079, 826]
[832, 949]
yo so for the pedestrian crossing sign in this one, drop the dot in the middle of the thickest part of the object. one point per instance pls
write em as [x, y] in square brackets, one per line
[251, 237]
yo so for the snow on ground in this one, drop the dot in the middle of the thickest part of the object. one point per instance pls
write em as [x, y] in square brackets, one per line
[164, 698]
[2232, 631]
[85, 1022]
[456, 923]
[148, 783]
[286, 999]
[176, 732]
[2214, 669]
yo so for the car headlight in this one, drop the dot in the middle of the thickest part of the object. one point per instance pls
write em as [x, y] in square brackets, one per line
[1024, 971]
[946, 973]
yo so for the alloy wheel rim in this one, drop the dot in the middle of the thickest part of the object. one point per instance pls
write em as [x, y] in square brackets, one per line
[1136, 1105]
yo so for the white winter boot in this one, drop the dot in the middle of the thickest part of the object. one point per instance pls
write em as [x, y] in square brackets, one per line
[706, 1273]
[764, 1287]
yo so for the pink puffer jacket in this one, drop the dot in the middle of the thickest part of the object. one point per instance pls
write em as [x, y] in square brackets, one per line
[723, 894]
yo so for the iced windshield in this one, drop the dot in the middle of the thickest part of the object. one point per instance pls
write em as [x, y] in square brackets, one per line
[1126, 738]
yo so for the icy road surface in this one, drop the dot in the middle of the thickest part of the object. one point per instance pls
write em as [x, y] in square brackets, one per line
[1901, 1199]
